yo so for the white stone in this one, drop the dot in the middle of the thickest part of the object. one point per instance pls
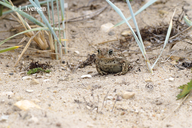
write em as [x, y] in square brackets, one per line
[34, 82]
[77, 52]
[128, 95]
[106, 27]
[171, 79]
[86, 76]
[4, 118]
[29, 91]
[26, 78]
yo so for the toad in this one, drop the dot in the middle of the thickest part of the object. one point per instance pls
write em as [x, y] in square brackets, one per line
[108, 61]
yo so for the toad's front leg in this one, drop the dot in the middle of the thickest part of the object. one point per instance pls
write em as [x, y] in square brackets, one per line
[100, 71]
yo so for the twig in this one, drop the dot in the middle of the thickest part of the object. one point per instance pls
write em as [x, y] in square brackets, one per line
[188, 42]
[90, 2]
[180, 33]
[85, 17]
[189, 28]
[85, 101]
[107, 42]
[104, 100]
[114, 104]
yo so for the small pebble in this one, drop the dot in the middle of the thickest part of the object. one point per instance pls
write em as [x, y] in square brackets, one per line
[119, 98]
[4, 118]
[29, 91]
[106, 27]
[158, 102]
[74, 3]
[123, 113]
[148, 80]
[171, 79]
[126, 33]
[34, 82]
[109, 98]
[77, 52]
[11, 73]
[111, 33]
[128, 95]
[33, 120]
[86, 76]
[46, 80]
[58, 124]
[26, 78]
[2, 101]
[10, 103]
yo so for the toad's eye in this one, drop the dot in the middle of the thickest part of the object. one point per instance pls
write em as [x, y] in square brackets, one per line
[110, 51]
[98, 51]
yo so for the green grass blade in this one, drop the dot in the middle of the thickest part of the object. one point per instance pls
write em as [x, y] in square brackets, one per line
[1, 10]
[9, 49]
[7, 2]
[63, 22]
[140, 44]
[123, 17]
[60, 49]
[62, 9]
[187, 21]
[135, 23]
[22, 13]
[166, 39]
[139, 11]
[53, 21]
[44, 18]
[48, 11]
[35, 29]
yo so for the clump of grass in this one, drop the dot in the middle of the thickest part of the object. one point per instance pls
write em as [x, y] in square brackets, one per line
[186, 89]
[37, 70]
[43, 28]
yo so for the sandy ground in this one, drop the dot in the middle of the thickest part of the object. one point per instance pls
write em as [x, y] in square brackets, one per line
[67, 101]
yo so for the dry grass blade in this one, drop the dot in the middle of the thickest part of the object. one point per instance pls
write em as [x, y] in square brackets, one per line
[27, 45]
[51, 44]
[175, 109]
[166, 38]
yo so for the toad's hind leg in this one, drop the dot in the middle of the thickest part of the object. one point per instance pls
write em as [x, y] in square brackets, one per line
[124, 69]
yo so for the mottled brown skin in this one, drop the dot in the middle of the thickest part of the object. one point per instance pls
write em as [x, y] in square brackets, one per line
[109, 62]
